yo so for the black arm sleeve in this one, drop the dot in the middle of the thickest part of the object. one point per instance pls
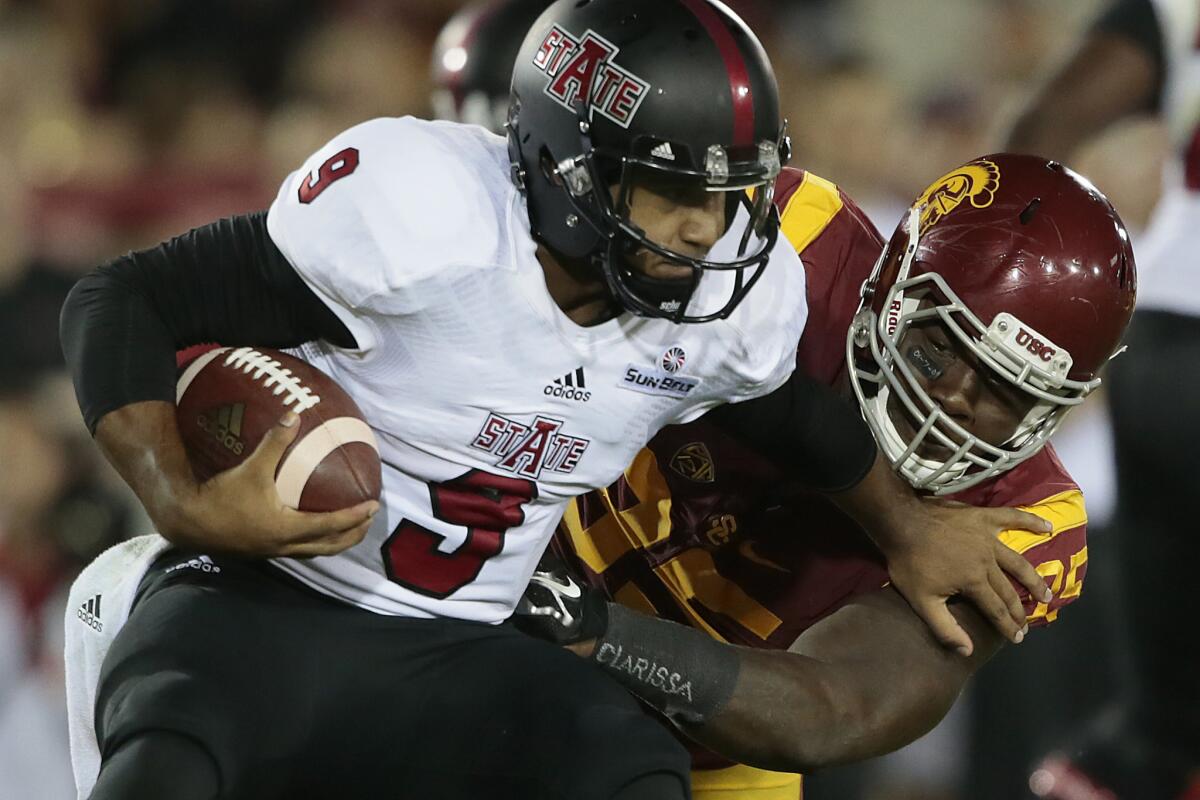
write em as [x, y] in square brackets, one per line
[1137, 21]
[226, 282]
[807, 429]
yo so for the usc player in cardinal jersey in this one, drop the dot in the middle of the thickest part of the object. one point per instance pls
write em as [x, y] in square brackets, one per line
[1001, 295]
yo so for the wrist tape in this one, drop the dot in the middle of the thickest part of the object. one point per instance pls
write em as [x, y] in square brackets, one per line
[680, 671]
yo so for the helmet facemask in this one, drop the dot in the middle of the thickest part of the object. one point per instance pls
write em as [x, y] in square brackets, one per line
[885, 378]
[600, 181]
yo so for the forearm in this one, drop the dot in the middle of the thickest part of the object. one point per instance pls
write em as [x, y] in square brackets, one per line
[807, 429]
[788, 713]
[773, 709]
[876, 502]
[819, 438]
[142, 442]
[861, 683]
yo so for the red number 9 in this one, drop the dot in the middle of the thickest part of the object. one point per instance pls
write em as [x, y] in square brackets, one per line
[337, 167]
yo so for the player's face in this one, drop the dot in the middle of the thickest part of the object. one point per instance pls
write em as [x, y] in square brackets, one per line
[969, 392]
[678, 214]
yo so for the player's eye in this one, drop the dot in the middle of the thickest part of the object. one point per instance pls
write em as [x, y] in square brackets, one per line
[940, 346]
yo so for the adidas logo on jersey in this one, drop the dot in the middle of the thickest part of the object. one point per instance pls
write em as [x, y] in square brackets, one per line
[201, 563]
[89, 612]
[225, 426]
[569, 387]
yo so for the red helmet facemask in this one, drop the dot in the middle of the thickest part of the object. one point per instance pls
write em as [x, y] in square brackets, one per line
[1027, 265]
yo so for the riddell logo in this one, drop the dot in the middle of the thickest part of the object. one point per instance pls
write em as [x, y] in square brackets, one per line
[569, 387]
[583, 69]
[225, 427]
[1034, 345]
[893, 316]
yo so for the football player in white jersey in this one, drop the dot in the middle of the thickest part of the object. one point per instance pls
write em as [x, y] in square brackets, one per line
[450, 281]
[1143, 56]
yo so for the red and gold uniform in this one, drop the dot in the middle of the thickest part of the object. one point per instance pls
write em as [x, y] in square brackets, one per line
[702, 531]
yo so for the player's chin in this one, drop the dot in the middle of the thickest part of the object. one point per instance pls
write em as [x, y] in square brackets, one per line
[930, 450]
[660, 269]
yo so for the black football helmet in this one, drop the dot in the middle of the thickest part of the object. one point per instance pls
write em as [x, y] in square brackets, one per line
[473, 60]
[606, 92]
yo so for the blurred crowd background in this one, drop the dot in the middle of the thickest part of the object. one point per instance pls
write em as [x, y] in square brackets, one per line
[123, 122]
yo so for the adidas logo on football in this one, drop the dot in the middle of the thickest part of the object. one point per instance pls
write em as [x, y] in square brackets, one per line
[569, 387]
[89, 612]
[663, 151]
[225, 426]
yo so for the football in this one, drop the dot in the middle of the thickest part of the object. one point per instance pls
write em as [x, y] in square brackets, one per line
[228, 398]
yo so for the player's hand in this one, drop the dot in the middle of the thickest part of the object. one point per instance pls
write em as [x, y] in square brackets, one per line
[942, 549]
[560, 609]
[239, 511]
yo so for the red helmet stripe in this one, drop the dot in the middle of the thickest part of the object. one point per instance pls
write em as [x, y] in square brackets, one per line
[735, 65]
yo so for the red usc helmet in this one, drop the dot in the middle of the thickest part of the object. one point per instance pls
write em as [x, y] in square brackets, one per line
[1028, 265]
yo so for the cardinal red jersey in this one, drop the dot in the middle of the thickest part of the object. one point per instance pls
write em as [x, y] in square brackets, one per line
[702, 531]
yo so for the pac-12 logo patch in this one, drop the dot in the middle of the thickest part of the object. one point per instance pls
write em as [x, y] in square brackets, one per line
[583, 69]
[694, 462]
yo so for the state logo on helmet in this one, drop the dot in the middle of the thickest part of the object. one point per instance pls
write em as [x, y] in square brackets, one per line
[1028, 269]
[609, 92]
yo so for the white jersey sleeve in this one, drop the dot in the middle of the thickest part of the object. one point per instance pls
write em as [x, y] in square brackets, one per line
[769, 323]
[384, 211]
[764, 329]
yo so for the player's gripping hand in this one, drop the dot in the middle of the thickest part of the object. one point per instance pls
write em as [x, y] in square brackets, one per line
[946, 549]
[238, 511]
[559, 609]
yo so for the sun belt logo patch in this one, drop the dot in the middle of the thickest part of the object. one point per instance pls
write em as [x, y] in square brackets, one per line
[975, 183]
[583, 69]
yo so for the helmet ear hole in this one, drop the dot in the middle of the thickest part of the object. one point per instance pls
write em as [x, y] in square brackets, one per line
[1124, 272]
[1031, 209]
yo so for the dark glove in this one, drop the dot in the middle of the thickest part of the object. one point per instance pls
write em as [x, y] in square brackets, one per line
[558, 608]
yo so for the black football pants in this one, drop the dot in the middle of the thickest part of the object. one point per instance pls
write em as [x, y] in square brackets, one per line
[244, 683]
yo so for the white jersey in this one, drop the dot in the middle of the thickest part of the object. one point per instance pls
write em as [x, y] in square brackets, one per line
[1169, 253]
[492, 409]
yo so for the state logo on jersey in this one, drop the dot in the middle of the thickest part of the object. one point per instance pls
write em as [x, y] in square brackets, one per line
[526, 449]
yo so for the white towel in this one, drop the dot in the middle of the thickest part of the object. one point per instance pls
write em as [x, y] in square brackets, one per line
[100, 601]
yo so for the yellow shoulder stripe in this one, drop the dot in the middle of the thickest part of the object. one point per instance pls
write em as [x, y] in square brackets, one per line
[809, 210]
[1064, 511]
